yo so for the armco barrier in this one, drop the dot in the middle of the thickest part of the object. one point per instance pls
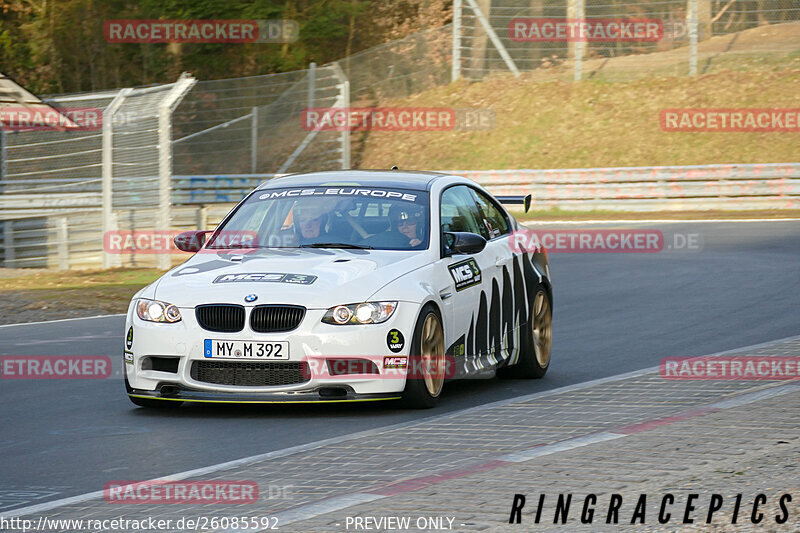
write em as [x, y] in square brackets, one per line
[700, 187]
[706, 187]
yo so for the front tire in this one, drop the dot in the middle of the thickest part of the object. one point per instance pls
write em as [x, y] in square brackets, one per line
[426, 364]
[536, 340]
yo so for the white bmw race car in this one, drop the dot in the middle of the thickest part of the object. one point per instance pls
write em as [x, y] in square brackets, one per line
[343, 286]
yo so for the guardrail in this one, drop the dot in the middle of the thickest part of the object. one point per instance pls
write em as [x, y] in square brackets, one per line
[193, 190]
[700, 187]
[727, 187]
[64, 230]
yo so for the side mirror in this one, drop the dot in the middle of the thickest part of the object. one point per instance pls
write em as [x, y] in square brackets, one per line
[190, 241]
[463, 242]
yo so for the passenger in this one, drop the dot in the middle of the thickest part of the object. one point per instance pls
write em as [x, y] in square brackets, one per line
[408, 221]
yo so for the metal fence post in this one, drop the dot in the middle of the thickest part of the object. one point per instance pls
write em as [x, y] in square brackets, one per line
[62, 242]
[576, 11]
[691, 22]
[498, 44]
[580, 45]
[8, 242]
[312, 84]
[346, 131]
[165, 108]
[254, 140]
[164, 175]
[108, 167]
[3, 157]
[344, 100]
[456, 70]
[201, 217]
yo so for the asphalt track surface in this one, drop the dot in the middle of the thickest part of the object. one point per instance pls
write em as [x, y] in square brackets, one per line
[614, 313]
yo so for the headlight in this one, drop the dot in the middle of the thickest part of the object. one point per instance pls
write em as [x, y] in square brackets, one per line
[363, 313]
[155, 311]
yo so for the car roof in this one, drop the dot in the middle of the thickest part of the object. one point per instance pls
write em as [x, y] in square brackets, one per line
[395, 179]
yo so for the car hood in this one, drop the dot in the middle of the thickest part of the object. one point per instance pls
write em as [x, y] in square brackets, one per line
[314, 278]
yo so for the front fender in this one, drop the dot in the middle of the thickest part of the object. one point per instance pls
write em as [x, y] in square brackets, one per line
[413, 287]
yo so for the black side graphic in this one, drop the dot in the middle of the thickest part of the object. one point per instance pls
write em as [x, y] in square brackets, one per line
[498, 327]
[457, 349]
[509, 316]
[495, 320]
[482, 328]
[520, 303]
[531, 279]
[470, 346]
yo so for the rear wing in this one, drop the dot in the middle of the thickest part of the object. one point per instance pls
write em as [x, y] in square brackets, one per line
[518, 200]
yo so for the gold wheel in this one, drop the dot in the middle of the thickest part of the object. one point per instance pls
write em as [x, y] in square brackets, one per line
[542, 329]
[432, 355]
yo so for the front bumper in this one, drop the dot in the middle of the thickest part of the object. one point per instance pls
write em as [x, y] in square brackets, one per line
[311, 344]
[186, 395]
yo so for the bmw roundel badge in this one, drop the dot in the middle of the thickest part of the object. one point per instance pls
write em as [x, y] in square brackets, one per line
[250, 298]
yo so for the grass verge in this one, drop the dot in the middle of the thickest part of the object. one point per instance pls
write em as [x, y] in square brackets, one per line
[30, 296]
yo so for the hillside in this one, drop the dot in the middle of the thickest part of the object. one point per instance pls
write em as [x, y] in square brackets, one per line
[593, 123]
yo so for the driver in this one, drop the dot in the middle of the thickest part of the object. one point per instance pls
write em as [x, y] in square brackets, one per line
[408, 221]
[310, 219]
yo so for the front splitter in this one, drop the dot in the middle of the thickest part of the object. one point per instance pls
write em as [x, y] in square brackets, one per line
[184, 395]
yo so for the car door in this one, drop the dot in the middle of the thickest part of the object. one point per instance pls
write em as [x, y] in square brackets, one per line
[504, 313]
[467, 284]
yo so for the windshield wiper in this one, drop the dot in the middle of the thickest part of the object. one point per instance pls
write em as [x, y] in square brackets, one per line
[337, 245]
[233, 247]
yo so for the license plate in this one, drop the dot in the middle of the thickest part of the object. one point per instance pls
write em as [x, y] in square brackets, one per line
[246, 350]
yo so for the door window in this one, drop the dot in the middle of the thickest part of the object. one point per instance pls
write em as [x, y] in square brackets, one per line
[493, 219]
[459, 212]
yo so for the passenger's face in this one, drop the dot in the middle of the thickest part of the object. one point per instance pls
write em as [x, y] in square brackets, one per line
[408, 228]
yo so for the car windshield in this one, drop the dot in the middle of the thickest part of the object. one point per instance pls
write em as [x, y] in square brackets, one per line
[349, 217]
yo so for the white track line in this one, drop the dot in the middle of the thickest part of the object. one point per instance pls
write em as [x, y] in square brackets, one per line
[47, 506]
[569, 444]
[754, 396]
[58, 320]
[314, 509]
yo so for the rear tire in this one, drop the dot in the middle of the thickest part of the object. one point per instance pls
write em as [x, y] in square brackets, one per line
[536, 340]
[426, 364]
